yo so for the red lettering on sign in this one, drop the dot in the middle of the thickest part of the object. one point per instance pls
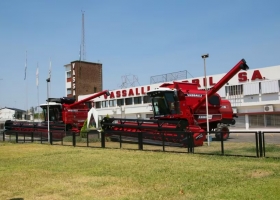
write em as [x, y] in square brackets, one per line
[142, 90]
[148, 88]
[242, 76]
[256, 75]
[105, 96]
[118, 93]
[112, 95]
[130, 93]
[196, 81]
[211, 83]
[124, 93]
[137, 92]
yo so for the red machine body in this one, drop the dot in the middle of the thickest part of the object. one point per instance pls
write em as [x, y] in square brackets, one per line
[65, 115]
[220, 113]
[180, 106]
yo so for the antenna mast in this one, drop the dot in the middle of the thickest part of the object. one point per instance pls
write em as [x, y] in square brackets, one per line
[83, 49]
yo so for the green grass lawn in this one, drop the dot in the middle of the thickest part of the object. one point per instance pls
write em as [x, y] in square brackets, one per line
[36, 171]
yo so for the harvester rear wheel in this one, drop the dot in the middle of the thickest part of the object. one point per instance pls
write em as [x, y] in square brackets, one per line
[222, 132]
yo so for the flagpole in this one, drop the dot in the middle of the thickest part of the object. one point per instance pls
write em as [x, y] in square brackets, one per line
[37, 84]
[48, 107]
[26, 84]
[50, 72]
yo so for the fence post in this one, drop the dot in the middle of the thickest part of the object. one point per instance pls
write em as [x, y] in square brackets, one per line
[51, 142]
[263, 144]
[190, 142]
[260, 143]
[3, 136]
[163, 141]
[87, 139]
[62, 136]
[102, 139]
[222, 143]
[74, 139]
[16, 137]
[32, 136]
[41, 138]
[120, 140]
[140, 141]
[257, 144]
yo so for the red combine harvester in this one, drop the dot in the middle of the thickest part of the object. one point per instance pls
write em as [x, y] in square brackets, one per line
[180, 106]
[65, 115]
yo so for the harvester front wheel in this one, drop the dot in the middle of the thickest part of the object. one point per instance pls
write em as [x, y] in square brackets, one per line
[222, 132]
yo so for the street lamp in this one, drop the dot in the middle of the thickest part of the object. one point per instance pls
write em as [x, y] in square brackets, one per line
[48, 108]
[204, 56]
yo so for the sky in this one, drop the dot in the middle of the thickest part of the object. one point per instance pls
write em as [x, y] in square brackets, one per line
[140, 38]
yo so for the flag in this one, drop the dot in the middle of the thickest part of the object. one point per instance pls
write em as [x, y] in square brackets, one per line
[50, 70]
[25, 69]
[37, 76]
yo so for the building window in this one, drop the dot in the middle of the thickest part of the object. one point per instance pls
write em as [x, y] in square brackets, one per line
[94, 90]
[89, 105]
[98, 104]
[256, 121]
[104, 104]
[128, 101]
[112, 103]
[234, 90]
[69, 91]
[69, 75]
[137, 100]
[120, 102]
[147, 99]
[272, 120]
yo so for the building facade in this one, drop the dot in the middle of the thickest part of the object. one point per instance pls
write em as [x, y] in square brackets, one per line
[82, 78]
[12, 114]
[254, 96]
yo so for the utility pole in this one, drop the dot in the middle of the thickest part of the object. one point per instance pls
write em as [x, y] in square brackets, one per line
[206, 95]
[48, 109]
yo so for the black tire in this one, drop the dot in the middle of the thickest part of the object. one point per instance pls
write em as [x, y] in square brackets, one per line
[224, 131]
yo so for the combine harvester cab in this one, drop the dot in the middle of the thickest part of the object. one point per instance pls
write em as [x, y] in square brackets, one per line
[176, 107]
[66, 115]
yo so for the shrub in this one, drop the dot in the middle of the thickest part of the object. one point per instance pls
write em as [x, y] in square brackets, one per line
[84, 131]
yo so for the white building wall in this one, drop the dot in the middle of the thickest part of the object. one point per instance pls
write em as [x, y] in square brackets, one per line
[6, 114]
[67, 84]
[256, 94]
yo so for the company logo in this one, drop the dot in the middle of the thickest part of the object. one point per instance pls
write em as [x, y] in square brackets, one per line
[193, 95]
[199, 136]
[243, 77]
[128, 92]
[204, 117]
[73, 80]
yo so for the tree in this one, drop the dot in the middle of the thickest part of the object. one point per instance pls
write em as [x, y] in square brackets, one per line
[32, 110]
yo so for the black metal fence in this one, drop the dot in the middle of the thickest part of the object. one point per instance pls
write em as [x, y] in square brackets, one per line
[258, 144]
